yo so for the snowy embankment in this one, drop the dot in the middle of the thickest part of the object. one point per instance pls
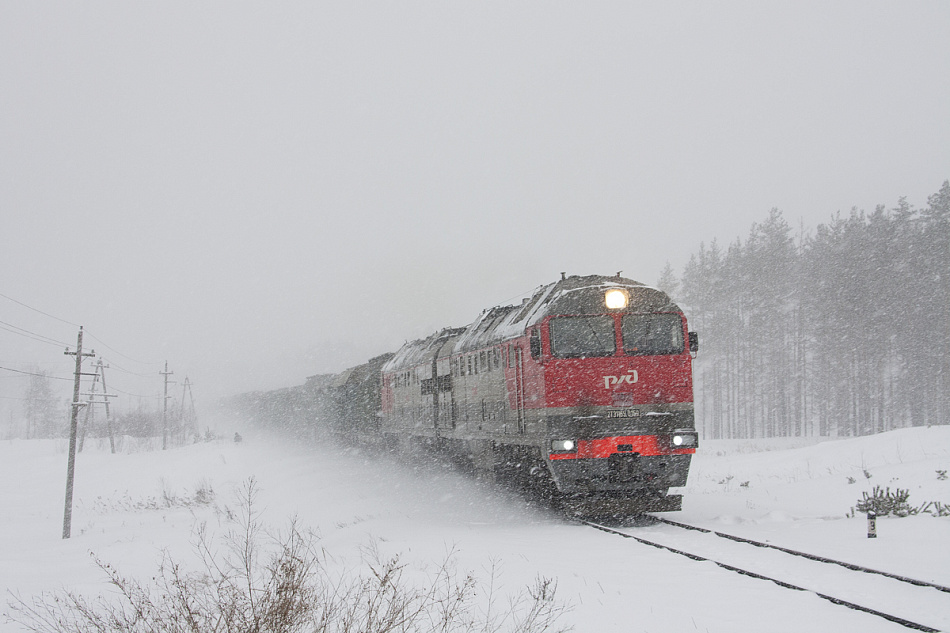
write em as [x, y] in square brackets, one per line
[131, 506]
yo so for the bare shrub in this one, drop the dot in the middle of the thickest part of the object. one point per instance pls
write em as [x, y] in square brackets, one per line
[934, 508]
[253, 582]
[202, 495]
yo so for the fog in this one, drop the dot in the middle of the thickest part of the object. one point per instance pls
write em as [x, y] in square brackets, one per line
[260, 192]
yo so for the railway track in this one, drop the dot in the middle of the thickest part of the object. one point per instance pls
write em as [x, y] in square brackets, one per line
[916, 604]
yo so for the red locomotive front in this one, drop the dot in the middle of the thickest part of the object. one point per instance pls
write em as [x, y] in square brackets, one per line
[585, 388]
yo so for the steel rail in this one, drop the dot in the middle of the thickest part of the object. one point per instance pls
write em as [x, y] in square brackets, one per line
[851, 605]
[822, 559]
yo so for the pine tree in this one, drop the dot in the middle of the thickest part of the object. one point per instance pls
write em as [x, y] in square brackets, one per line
[667, 281]
[42, 415]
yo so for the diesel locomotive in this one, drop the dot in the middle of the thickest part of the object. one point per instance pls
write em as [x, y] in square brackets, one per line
[582, 391]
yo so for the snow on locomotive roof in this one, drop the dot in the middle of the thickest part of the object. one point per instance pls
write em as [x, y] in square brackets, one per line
[506, 322]
[566, 296]
[420, 351]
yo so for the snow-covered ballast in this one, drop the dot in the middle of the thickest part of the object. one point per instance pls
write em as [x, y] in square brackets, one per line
[586, 386]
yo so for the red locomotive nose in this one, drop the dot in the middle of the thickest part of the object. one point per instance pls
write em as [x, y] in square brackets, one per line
[611, 382]
[604, 447]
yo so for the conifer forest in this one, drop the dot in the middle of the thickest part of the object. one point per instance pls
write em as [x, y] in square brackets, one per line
[841, 330]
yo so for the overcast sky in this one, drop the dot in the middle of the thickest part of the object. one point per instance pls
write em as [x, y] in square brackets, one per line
[257, 192]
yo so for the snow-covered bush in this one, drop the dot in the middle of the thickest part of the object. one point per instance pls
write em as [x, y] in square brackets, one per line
[884, 502]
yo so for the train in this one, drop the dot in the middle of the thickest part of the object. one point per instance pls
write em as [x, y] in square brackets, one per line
[582, 392]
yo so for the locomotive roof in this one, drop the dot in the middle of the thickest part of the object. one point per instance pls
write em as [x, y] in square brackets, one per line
[571, 295]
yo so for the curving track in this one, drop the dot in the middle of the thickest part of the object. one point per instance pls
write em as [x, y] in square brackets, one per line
[915, 604]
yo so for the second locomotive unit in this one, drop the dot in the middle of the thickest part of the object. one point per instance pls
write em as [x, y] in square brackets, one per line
[584, 389]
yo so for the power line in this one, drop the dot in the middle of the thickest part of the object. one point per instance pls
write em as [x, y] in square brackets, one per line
[28, 334]
[30, 373]
[40, 311]
[127, 371]
[60, 343]
[137, 395]
[143, 362]
[127, 393]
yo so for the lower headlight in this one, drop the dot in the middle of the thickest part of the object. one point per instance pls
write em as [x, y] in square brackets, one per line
[563, 446]
[684, 440]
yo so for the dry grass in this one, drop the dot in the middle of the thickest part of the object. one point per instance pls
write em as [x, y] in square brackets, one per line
[252, 582]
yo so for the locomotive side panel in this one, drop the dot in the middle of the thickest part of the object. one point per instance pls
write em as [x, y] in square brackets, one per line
[479, 393]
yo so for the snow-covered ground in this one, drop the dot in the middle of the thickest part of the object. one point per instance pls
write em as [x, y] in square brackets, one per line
[794, 494]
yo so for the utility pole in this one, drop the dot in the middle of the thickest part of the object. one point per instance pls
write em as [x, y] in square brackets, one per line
[191, 418]
[102, 370]
[89, 411]
[73, 417]
[166, 374]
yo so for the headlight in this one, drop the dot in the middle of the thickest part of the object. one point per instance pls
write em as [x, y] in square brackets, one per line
[563, 446]
[616, 299]
[684, 440]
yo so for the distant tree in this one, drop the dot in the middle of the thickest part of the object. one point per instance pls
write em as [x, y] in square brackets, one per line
[139, 423]
[667, 281]
[771, 263]
[936, 248]
[706, 297]
[43, 416]
[924, 309]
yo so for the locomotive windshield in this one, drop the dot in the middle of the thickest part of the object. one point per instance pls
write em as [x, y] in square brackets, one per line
[582, 336]
[652, 334]
[593, 336]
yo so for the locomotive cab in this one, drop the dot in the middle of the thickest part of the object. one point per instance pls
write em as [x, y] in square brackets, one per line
[618, 395]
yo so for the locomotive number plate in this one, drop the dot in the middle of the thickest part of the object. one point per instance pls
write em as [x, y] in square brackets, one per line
[623, 413]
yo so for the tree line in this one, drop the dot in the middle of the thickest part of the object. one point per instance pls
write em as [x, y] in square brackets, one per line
[46, 415]
[838, 331]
